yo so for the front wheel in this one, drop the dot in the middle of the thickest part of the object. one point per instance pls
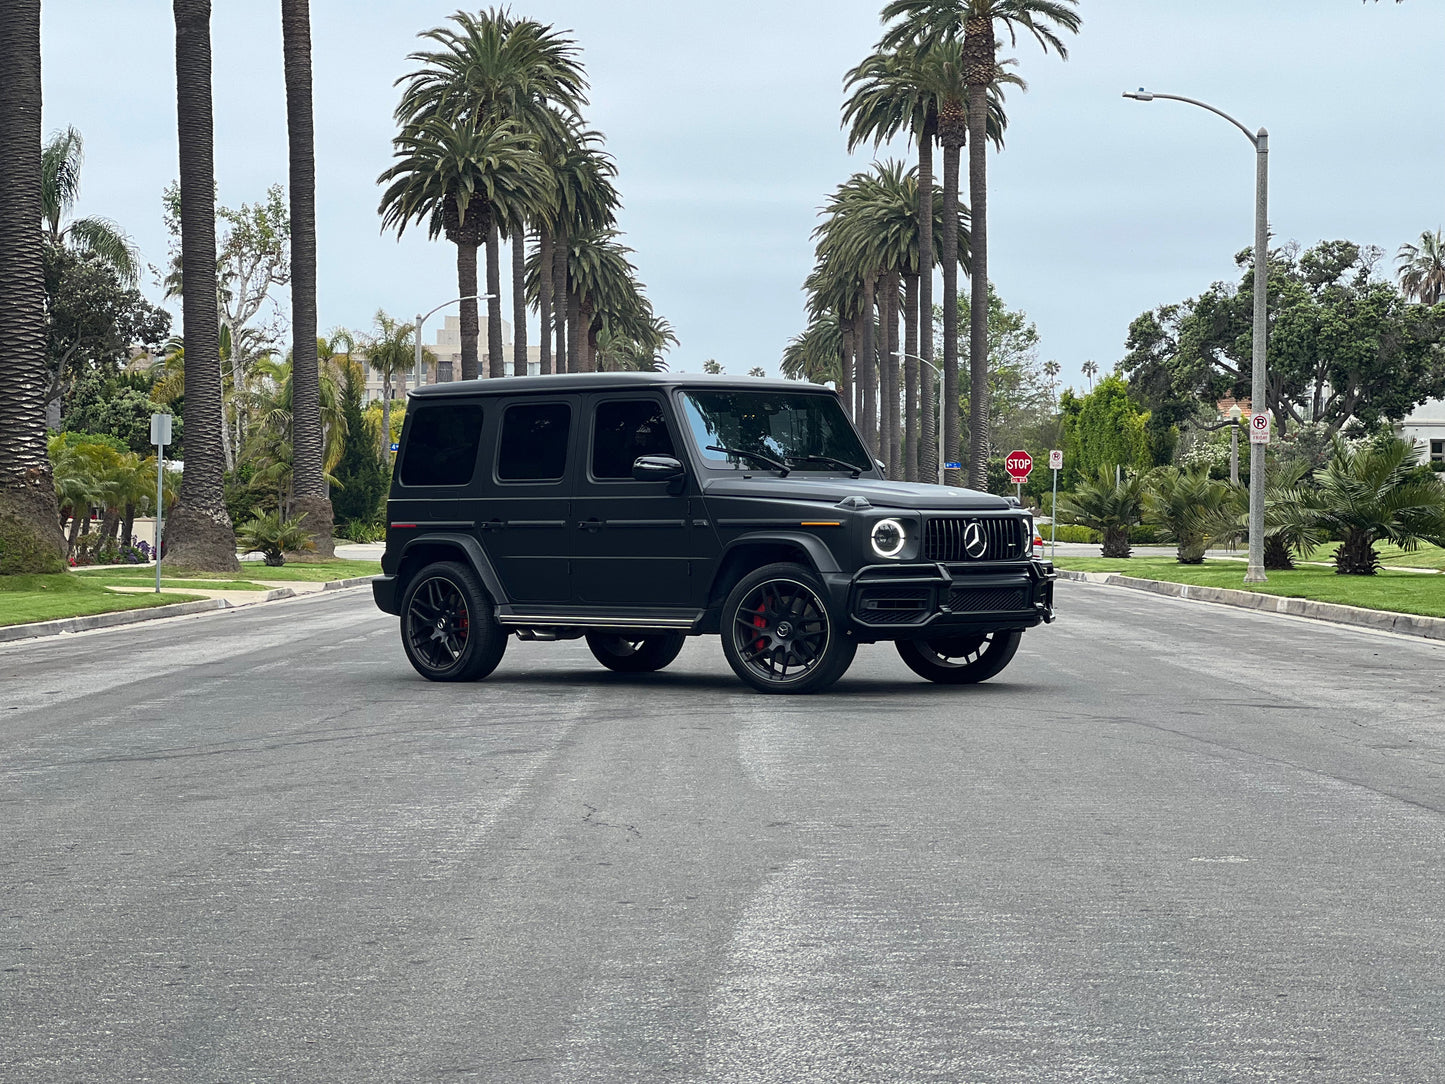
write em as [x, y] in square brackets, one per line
[448, 625]
[628, 654]
[960, 660]
[778, 634]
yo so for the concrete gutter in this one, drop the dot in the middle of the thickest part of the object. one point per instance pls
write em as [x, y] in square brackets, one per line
[227, 600]
[1431, 628]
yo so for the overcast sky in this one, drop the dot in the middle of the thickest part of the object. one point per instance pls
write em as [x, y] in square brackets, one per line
[723, 117]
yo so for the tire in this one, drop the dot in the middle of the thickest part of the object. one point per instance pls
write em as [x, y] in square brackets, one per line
[960, 660]
[777, 619]
[448, 627]
[628, 654]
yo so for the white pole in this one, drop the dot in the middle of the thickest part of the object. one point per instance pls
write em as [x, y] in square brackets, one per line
[1054, 520]
[160, 473]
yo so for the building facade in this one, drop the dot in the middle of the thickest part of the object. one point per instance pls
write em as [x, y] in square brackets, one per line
[446, 349]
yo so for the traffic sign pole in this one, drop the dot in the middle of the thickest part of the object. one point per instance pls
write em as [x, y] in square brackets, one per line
[160, 437]
[1056, 463]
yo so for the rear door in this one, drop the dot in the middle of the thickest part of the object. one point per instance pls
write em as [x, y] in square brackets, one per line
[634, 541]
[525, 528]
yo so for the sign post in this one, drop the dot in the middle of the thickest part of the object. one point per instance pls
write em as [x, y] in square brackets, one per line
[160, 437]
[1018, 464]
[1056, 464]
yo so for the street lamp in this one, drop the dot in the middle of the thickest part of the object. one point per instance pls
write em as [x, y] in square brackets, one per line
[938, 415]
[422, 319]
[1258, 383]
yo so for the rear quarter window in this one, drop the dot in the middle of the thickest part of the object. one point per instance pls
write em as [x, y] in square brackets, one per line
[441, 445]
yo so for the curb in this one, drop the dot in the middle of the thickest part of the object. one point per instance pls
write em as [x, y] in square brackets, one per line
[36, 629]
[1431, 628]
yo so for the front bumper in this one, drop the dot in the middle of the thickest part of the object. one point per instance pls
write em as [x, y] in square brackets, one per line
[915, 601]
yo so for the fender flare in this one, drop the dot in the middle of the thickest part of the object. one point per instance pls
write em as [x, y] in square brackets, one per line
[476, 556]
[818, 553]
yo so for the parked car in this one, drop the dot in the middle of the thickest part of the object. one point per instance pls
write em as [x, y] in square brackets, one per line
[637, 509]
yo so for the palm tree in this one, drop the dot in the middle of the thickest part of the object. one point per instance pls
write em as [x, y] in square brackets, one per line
[1109, 505]
[30, 538]
[60, 189]
[199, 534]
[1193, 510]
[1422, 269]
[392, 353]
[307, 439]
[492, 67]
[586, 201]
[454, 174]
[936, 23]
[1378, 493]
[1090, 369]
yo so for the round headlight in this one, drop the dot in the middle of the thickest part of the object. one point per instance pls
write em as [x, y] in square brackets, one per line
[887, 538]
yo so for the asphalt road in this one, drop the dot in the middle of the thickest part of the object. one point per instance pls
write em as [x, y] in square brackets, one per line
[1171, 842]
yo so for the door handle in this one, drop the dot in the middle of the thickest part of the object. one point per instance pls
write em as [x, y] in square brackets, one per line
[593, 525]
[491, 525]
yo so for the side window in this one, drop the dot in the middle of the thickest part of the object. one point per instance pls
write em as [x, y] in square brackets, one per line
[624, 430]
[534, 442]
[441, 445]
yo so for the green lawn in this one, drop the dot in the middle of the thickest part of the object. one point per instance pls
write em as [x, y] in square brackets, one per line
[46, 598]
[83, 591]
[1400, 592]
[1427, 556]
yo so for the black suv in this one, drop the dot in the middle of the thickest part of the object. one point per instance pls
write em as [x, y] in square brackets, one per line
[637, 509]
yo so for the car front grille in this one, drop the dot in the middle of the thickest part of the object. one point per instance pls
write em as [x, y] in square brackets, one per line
[986, 599]
[946, 539]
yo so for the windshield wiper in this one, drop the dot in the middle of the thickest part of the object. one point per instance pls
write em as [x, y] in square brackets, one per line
[829, 460]
[782, 468]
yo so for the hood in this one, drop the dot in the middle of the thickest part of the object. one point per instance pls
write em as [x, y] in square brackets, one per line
[832, 489]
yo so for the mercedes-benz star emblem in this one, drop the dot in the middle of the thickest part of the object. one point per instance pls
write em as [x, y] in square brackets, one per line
[974, 542]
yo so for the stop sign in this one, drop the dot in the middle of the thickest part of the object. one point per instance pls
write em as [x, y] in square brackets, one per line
[1019, 464]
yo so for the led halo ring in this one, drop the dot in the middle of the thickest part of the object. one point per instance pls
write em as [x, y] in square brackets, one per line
[885, 551]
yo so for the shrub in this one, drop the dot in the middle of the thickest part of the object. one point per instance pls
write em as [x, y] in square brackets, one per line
[358, 530]
[272, 537]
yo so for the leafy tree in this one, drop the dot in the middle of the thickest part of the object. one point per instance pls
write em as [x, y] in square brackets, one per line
[712, 367]
[1378, 491]
[1020, 398]
[1343, 344]
[94, 320]
[361, 476]
[1104, 430]
[199, 534]
[60, 188]
[120, 407]
[30, 539]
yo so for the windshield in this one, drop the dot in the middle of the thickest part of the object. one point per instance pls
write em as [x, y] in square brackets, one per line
[786, 426]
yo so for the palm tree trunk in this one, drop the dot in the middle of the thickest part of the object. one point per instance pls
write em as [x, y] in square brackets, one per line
[307, 442]
[199, 534]
[544, 296]
[560, 247]
[519, 300]
[978, 437]
[467, 287]
[926, 431]
[385, 448]
[30, 534]
[574, 322]
[587, 337]
[949, 406]
[910, 378]
[846, 383]
[496, 366]
[890, 370]
[868, 368]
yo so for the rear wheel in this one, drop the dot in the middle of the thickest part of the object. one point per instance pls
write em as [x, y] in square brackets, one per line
[778, 634]
[629, 654]
[448, 626]
[960, 660]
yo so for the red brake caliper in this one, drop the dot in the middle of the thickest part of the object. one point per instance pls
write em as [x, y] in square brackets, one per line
[760, 622]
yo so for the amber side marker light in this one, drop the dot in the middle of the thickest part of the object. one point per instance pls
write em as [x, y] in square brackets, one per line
[821, 523]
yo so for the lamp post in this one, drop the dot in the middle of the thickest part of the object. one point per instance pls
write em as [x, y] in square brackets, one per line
[938, 415]
[1258, 382]
[423, 319]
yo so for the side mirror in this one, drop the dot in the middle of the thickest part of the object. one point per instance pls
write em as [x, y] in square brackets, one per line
[656, 468]
[882, 467]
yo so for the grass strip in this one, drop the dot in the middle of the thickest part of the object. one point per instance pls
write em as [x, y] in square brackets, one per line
[28, 598]
[1397, 592]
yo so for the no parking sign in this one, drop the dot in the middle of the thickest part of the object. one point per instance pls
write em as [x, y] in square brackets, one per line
[1259, 428]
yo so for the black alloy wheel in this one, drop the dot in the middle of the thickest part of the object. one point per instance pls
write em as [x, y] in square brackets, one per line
[628, 653]
[448, 627]
[960, 660]
[778, 634]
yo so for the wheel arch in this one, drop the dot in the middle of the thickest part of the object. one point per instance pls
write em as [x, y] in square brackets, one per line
[420, 552]
[750, 552]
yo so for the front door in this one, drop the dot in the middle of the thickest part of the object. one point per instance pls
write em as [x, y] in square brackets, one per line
[526, 526]
[633, 543]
